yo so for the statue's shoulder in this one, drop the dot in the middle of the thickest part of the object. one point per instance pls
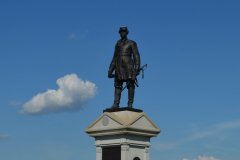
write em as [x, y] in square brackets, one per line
[131, 42]
[128, 41]
[118, 42]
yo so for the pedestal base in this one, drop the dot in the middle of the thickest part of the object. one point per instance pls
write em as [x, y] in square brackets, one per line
[123, 134]
[128, 146]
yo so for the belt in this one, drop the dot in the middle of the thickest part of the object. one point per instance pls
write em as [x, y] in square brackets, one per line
[127, 54]
[124, 55]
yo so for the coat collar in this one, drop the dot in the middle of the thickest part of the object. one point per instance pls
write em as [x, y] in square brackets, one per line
[122, 42]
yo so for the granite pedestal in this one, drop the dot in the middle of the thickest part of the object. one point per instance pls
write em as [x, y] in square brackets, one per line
[122, 134]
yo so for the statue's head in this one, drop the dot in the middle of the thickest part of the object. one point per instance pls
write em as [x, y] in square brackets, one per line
[123, 31]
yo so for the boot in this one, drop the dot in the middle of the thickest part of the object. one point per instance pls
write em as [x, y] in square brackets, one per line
[116, 98]
[130, 96]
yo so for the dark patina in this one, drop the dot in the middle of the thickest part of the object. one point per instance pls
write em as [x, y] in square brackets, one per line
[126, 63]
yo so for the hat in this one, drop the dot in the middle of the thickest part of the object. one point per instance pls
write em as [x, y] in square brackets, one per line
[123, 29]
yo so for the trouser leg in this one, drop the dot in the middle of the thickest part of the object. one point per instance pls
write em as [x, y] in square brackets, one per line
[131, 89]
[117, 95]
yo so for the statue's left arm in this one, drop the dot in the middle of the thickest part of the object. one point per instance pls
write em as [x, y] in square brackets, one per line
[136, 56]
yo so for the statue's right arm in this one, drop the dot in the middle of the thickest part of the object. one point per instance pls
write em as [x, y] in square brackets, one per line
[112, 66]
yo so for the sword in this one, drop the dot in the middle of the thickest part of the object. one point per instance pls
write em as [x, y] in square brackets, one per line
[135, 77]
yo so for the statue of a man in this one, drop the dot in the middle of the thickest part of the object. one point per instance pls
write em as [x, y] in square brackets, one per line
[126, 68]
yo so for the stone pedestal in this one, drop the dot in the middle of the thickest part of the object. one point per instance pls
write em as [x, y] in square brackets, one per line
[122, 134]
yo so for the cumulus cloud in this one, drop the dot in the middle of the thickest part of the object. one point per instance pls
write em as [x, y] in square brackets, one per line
[71, 95]
[204, 158]
[4, 136]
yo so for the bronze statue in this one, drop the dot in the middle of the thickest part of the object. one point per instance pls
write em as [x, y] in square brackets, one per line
[126, 68]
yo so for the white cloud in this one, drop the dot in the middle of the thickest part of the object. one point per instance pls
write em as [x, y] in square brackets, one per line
[78, 35]
[72, 95]
[72, 35]
[228, 125]
[84, 34]
[201, 133]
[224, 148]
[4, 136]
[204, 158]
[14, 103]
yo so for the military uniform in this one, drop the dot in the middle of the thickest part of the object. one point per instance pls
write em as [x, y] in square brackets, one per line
[122, 60]
[124, 67]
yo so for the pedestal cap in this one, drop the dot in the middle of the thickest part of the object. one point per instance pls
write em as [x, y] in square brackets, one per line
[123, 122]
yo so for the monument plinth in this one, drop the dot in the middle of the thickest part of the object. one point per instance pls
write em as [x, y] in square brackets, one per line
[122, 134]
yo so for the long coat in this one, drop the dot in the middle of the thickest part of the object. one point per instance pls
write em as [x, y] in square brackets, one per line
[122, 61]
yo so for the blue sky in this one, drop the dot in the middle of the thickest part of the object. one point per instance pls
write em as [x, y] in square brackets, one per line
[191, 88]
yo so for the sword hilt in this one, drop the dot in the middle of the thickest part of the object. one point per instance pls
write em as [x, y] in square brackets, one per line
[143, 68]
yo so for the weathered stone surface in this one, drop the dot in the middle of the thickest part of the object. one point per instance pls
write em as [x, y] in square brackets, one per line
[123, 122]
[131, 130]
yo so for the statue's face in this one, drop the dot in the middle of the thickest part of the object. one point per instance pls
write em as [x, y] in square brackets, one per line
[123, 34]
